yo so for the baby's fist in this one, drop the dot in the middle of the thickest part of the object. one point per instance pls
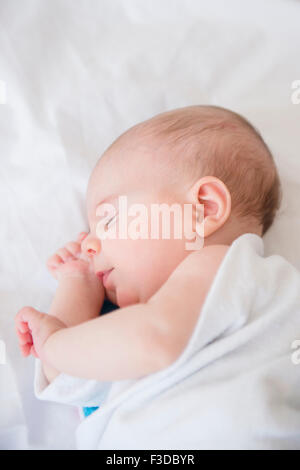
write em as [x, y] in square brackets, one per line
[69, 260]
[33, 329]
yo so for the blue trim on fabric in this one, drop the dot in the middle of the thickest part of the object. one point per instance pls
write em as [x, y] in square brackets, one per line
[88, 410]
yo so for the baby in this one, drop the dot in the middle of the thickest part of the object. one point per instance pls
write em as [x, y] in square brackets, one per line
[203, 156]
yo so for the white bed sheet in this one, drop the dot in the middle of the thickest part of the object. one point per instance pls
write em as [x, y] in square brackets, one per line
[77, 74]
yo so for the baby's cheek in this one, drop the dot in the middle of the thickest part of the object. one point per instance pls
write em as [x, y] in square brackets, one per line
[126, 296]
[111, 295]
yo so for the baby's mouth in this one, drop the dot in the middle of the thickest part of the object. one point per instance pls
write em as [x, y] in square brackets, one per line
[103, 275]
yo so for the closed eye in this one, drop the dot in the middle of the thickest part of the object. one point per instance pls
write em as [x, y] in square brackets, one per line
[110, 220]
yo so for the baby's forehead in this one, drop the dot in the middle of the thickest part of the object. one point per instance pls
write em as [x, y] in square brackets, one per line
[118, 173]
[132, 156]
[170, 142]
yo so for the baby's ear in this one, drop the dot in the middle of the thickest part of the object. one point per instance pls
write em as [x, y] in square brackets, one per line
[215, 198]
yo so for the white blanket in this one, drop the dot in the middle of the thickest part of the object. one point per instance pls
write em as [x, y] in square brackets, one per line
[77, 74]
[235, 386]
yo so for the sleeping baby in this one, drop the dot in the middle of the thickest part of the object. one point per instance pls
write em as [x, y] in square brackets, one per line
[196, 353]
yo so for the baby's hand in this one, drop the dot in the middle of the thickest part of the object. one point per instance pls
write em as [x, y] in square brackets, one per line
[69, 260]
[33, 329]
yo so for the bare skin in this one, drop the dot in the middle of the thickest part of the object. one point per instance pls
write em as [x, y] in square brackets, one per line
[79, 296]
[133, 341]
[159, 286]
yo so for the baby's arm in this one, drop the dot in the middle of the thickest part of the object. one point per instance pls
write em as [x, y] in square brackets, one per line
[77, 299]
[133, 341]
[79, 295]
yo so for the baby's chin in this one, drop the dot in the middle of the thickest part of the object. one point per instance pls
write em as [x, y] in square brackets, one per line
[111, 295]
[123, 297]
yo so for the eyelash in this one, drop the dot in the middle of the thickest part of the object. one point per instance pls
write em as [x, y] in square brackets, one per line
[110, 220]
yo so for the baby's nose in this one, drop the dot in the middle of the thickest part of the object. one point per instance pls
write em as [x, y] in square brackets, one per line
[91, 246]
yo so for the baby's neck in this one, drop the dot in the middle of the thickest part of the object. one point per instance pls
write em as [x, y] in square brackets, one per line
[230, 232]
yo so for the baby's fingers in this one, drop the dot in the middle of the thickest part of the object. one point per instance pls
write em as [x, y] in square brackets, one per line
[64, 254]
[23, 327]
[54, 261]
[25, 340]
[28, 323]
[74, 248]
[33, 351]
[27, 316]
[69, 252]
[81, 237]
[25, 349]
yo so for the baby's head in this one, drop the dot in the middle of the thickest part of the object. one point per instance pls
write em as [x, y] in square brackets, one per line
[195, 155]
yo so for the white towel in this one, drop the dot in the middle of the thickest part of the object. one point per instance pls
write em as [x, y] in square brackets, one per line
[235, 385]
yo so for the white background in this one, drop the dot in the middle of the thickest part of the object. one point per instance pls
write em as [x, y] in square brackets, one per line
[79, 73]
